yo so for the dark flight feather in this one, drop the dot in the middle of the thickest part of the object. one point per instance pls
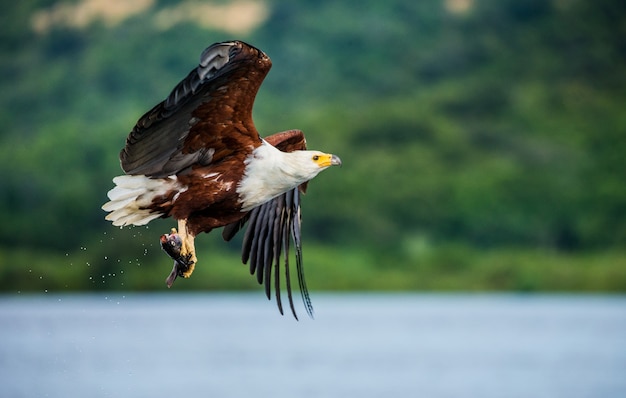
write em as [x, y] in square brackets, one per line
[182, 130]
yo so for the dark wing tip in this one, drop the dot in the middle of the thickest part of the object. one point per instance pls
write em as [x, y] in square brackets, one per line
[214, 60]
[271, 229]
[154, 146]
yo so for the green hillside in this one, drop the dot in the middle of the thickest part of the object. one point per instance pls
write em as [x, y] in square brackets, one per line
[483, 141]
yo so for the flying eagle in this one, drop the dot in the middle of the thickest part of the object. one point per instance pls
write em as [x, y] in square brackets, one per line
[196, 157]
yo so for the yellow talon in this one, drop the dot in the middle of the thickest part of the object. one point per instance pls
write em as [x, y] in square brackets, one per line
[188, 250]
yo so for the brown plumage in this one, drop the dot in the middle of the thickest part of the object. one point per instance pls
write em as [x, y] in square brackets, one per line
[198, 158]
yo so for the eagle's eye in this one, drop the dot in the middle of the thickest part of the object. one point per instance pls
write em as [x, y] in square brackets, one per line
[316, 158]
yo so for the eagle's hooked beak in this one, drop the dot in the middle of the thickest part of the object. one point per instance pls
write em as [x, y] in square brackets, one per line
[335, 161]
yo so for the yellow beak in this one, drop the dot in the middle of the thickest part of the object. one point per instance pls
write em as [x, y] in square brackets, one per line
[327, 160]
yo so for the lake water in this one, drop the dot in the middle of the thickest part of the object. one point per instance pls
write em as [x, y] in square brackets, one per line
[359, 345]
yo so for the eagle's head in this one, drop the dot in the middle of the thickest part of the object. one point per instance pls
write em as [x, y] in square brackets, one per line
[270, 172]
[308, 164]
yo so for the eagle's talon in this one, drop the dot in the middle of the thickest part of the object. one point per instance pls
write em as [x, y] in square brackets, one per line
[183, 267]
[187, 265]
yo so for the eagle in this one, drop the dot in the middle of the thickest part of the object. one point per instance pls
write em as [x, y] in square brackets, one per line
[197, 158]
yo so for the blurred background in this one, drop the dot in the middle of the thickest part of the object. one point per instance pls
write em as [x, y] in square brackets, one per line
[483, 141]
[483, 148]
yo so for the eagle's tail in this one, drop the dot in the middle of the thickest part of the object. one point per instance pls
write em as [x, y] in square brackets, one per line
[132, 199]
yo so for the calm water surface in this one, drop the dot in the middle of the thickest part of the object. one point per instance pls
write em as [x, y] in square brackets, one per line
[230, 345]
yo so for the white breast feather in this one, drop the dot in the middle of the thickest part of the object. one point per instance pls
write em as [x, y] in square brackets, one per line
[268, 173]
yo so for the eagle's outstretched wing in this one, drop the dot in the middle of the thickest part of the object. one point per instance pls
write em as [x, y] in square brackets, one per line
[207, 117]
[271, 229]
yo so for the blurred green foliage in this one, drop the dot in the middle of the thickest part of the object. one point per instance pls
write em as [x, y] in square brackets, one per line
[482, 148]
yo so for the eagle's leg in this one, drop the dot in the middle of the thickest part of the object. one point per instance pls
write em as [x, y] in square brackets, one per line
[188, 250]
[179, 245]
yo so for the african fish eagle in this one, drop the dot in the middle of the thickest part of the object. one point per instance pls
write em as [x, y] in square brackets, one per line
[196, 157]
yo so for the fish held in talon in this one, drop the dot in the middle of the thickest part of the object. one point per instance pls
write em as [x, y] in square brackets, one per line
[197, 158]
[172, 244]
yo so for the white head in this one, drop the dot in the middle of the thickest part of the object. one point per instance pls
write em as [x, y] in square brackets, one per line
[270, 172]
[305, 165]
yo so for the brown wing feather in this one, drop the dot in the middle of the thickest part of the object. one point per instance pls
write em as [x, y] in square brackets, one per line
[288, 141]
[207, 117]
